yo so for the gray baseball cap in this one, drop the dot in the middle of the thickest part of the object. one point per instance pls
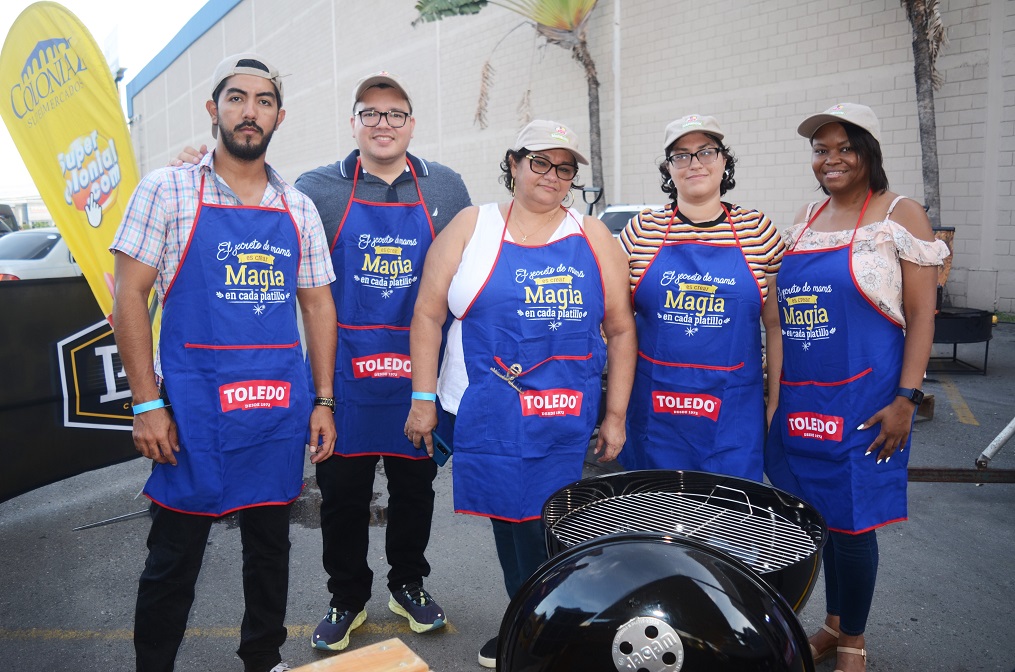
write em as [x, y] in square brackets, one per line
[541, 134]
[382, 77]
[692, 123]
[854, 113]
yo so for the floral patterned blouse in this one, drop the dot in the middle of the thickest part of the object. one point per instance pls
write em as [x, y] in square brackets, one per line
[878, 249]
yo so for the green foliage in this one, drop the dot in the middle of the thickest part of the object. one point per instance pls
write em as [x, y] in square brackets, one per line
[435, 10]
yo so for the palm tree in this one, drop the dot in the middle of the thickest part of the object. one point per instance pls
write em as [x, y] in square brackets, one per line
[928, 38]
[560, 22]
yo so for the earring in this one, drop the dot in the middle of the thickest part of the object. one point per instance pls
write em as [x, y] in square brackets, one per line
[569, 199]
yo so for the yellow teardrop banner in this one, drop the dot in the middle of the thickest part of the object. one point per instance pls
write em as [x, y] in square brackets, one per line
[62, 109]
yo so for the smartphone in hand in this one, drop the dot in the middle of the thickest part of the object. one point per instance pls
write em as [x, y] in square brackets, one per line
[441, 450]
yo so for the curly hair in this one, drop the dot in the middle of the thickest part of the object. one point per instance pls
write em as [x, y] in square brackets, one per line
[727, 184]
[516, 156]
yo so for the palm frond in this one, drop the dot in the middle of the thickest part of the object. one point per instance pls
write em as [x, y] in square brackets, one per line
[525, 108]
[435, 10]
[485, 84]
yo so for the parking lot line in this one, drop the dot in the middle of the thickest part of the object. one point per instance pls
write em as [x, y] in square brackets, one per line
[385, 629]
[958, 403]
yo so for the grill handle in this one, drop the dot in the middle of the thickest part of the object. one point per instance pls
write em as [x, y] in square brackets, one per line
[747, 500]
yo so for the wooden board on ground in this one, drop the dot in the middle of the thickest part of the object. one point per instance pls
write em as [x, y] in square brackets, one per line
[391, 655]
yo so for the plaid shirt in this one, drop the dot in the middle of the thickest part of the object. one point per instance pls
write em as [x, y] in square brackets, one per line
[160, 217]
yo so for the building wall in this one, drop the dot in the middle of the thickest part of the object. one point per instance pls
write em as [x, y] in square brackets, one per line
[760, 66]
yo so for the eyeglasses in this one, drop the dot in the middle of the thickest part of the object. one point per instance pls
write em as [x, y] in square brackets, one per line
[539, 165]
[372, 118]
[706, 157]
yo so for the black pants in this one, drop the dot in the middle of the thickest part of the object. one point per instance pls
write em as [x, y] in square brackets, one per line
[165, 592]
[346, 485]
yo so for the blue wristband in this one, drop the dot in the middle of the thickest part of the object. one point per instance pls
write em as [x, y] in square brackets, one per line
[149, 406]
[424, 396]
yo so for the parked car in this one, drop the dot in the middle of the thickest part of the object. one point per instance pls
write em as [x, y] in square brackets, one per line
[8, 223]
[36, 253]
[617, 216]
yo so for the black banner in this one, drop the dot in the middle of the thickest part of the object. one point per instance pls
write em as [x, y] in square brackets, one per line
[64, 401]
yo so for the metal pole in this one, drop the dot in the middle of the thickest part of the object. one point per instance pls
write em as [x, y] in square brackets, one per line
[995, 445]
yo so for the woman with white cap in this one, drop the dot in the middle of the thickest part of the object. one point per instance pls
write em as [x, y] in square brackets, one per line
[700, 272]
[533, 286]
[856, 295]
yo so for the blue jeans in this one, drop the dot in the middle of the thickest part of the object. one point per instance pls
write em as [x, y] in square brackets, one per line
[851, 569]
[521, 548]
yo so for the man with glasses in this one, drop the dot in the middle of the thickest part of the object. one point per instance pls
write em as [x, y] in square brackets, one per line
[381, 208]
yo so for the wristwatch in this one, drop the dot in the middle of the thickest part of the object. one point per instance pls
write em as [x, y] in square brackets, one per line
[914, 395]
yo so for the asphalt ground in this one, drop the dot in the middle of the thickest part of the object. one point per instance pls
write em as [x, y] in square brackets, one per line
[944, 597]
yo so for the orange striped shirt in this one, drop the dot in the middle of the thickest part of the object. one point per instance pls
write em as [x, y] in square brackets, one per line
[762, 245]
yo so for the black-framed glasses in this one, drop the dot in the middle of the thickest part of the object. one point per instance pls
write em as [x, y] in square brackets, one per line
[539, 165]
[706, 157]
[395, 118]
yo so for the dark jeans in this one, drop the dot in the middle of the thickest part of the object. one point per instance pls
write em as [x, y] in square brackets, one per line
[346, 485]
[521, 549]
[165, 592]
[851, 569]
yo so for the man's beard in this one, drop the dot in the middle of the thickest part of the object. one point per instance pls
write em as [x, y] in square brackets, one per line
[245, 150]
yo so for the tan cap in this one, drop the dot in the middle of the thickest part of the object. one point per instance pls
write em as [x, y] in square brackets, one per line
[247, 63]
[382, 77]
[692, 123]
[854, 113]
[541, 134]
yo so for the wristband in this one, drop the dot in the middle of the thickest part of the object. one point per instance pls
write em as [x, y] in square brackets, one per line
[325, 401]
[149, 406]
[424, 396]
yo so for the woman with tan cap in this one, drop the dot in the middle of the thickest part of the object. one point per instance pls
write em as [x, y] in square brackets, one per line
[530, 283]
[856, 298]
[700, 272]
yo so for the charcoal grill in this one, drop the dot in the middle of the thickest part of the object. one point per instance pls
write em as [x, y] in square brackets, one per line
[774, 533]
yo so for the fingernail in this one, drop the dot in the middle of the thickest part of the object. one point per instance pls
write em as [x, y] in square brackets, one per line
[860, 427]
[879, 460]
[867, 453]
[888, 458]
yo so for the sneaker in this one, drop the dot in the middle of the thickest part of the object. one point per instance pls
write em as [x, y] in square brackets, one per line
[281, 667]
[332, 634]
[488, 654]
[416, 605]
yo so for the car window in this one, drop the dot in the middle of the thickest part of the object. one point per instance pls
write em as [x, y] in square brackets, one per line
[616, 221]
[27, 245]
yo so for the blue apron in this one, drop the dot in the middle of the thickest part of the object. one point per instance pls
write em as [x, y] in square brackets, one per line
[842, 358]
[698, 396]
[378, 255]
[233, 365]
[534, 357]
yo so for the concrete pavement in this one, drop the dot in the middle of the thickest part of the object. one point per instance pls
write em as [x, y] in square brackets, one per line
[944, 598]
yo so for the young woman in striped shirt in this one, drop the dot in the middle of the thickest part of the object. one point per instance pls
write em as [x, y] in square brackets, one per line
[700, 273]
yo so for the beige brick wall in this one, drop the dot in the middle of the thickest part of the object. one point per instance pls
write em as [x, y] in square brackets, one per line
[760, 66]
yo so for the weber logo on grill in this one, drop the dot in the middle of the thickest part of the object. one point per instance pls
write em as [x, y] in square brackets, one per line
[815, 426]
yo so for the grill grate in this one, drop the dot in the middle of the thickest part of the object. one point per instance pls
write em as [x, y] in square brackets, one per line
[760, 538]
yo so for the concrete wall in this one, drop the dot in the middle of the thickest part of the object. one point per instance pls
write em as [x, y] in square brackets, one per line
[760, 66]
